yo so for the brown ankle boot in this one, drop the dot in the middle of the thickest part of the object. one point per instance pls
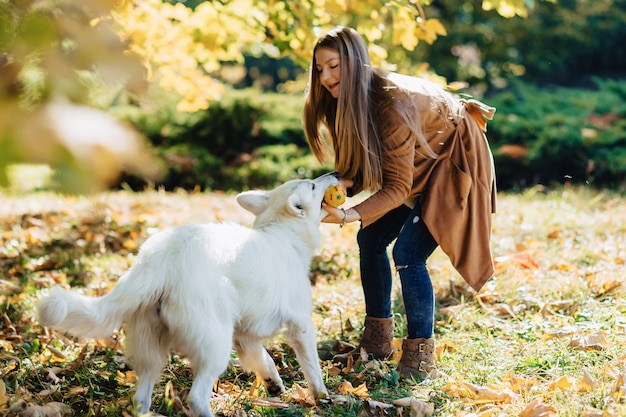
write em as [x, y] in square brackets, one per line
[418, 359]
[376, 341]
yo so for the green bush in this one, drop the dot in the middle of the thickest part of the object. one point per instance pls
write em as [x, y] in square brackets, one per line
[271, 165]
[246, 140]
[560, 135]
[253, 140]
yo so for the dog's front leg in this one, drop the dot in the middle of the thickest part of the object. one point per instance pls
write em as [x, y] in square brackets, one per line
[143, 396]
[301, 337]
[254, 358]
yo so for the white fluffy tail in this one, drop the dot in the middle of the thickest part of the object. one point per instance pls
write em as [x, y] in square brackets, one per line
[81, 316]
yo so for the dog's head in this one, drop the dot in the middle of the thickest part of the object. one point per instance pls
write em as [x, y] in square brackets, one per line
[293, 200]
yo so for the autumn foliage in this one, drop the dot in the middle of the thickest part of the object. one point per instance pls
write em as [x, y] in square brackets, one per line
[545, 337]
[55, 52]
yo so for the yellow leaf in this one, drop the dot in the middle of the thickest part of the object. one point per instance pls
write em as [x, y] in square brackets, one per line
[592, 412]
[303, 396]
[620, 386]
[562, 383]
[519, 384]
[404, 30]
[457, 85]
[227, 387]
[335, 7]
[396, 348]
[506, 8]
[255, 387]
[594, 341]
[57, 355]
[51, 409]
[559, 334]
[76, 390]
[334, 371]
[480, 393]
[360, 391]
[375, 408]
[445, 346]
[611, 370]
[586, 383]
[520, 259]
[432, 28]
[418, 408]
[3, 395]
[537, 408]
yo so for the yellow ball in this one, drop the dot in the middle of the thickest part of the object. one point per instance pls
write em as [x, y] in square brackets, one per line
[335, 195]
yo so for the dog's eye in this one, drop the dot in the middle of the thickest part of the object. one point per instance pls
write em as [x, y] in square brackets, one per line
[313, 186]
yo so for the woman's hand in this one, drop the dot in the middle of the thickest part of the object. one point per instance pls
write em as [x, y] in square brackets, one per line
[339, 215]
[335, 214]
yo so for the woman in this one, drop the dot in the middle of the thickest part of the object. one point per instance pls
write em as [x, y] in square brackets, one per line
[424, 158]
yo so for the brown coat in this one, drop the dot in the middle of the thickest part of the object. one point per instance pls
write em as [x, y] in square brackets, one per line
[457, 189]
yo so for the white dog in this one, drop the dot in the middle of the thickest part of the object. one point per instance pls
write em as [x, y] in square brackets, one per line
[199, 289]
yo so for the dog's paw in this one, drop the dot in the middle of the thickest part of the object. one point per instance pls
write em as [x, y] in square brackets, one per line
[274, 388]
[322, 395]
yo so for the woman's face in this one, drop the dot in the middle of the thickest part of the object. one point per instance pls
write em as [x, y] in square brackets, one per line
[327, 64]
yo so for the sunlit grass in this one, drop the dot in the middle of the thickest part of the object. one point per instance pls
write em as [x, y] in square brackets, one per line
[550, 325]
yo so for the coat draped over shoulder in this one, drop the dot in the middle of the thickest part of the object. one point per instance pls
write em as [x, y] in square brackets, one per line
[456, 190]
[458, 200]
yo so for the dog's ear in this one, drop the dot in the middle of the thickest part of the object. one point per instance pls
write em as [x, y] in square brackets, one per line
[296, 206]
[254, 201]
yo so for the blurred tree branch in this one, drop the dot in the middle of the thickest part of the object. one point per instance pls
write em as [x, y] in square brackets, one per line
[53, 51]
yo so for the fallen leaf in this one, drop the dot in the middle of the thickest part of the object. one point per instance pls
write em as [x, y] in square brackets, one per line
[597, 413]
[334, 371]
[52, 409]
[519, 384]
[562, 383]
[52, 376]
[226, 388]
[522, 260]
[586, 383]
[130, 244]
[620, 386]
[503, 310]
[559, 334]
[419, 408]
[537, 408]
[611, 370]
[254, 389]
[466, 390]
[76, 390]
[272, 402]
[453, 311]
[127, 379]
[375, 408]
[396, 349]
[303, 396]
[444, 346]
[594, 341]
[57, 354]
[360, 391]
[4, 399]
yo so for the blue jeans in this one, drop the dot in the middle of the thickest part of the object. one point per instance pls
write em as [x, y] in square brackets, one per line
[414, 244]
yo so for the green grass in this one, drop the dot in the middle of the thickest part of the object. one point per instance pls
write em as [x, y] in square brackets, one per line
[549, 327]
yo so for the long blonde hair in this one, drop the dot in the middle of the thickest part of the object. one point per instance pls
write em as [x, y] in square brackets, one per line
[352, 120]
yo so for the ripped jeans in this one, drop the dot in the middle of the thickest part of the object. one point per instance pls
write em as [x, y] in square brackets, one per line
[413, 246]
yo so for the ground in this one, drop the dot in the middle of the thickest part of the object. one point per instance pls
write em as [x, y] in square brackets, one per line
[545, 337]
